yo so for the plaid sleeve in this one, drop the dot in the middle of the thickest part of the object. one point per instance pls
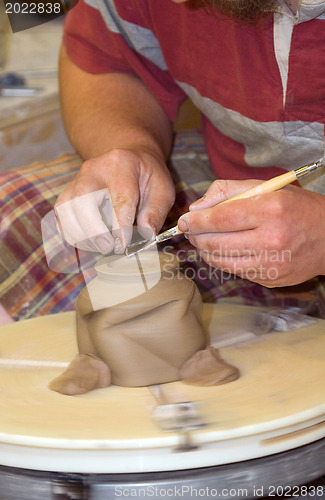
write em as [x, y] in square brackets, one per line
[28, 287]
[100, 39]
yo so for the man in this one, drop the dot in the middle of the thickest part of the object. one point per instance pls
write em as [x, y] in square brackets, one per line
[255, 71]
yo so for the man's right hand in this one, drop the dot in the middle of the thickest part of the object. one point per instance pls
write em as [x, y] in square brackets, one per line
[139, 188]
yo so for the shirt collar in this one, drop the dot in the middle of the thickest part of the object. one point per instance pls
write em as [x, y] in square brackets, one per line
[308, 9]
[311, 9]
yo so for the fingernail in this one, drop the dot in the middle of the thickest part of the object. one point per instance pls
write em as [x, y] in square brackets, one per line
[118, 246]
[103, 245]
[183, 224]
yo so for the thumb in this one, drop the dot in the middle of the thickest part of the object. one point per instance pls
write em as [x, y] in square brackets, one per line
[222, 190]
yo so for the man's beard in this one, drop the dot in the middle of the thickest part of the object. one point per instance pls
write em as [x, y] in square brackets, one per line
[245, 10]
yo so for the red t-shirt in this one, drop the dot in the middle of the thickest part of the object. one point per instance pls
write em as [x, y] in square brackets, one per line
[261, 88]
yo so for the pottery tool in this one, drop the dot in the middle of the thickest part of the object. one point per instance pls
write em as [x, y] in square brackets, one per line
[31, 363]
[14, 85]
[269, 186]
[181, 417]
[19, 91]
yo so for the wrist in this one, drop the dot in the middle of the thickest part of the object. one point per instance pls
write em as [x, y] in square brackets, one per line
[129, 140]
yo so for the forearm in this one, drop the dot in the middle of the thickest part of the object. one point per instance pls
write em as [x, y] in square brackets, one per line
[111, 111]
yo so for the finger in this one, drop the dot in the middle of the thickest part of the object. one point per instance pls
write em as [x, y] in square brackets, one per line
[155, 206]
[124, 204]
[154, 214]
[270, 267]
[222, 190]
[122, 238]
[238, 215]
[73, 213]
[118, 171]
[70, 228]
[95, 215]
[229, 245]
[248, 268]
[86, 210]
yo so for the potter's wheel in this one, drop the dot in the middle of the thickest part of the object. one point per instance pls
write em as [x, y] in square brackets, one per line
[277, 407]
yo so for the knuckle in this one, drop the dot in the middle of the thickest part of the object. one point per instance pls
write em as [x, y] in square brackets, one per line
[277, 239]
[214, 219]
[120, 156]
[219, 188]
[277, 204]
[88, 165]
[115, 156]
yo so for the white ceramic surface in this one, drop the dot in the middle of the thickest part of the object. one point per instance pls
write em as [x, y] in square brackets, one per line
[277, 404]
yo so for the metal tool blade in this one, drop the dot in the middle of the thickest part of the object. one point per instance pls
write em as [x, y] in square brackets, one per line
[139, 246]
[135, 248]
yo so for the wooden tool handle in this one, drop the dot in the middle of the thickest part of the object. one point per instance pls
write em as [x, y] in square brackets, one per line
[166, 235]
[266, 187]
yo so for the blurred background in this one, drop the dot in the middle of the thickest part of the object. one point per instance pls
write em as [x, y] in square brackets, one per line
[31, 128]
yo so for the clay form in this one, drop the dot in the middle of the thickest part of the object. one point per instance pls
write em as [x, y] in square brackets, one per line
[206, 367]
[83, 374]
[146, 339]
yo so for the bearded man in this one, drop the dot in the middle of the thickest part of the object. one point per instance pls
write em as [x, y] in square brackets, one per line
[254, 70]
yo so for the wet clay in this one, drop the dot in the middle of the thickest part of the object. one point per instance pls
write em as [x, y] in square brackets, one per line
[206, 367]
[144, 340]
[83, 374]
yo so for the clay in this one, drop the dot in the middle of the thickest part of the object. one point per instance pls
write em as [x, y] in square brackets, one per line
[83, 374]
[142, 326]
[206, 367]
